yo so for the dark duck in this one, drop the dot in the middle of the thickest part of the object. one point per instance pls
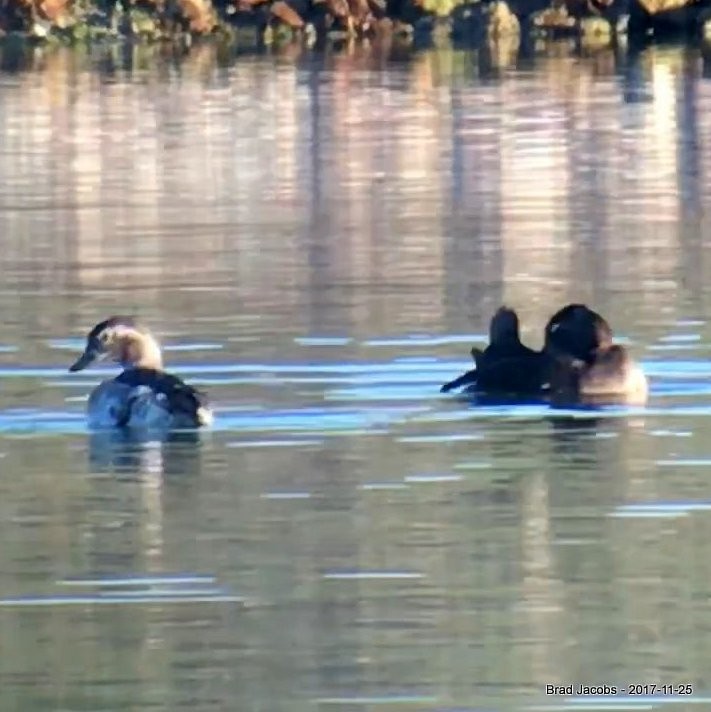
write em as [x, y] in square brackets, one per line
[505, 365]
[579, 360]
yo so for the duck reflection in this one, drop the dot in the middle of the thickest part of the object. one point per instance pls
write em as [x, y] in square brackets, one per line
[131, 452]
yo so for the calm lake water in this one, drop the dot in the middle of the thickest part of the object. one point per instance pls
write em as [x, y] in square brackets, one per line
[318, 240]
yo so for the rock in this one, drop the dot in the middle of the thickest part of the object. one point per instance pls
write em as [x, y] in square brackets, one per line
[55, 11]
[40, 28]
[596, 33]
[554, 19]
[595, 27]
[501, 22]
[503, 51]
[439, 8]
[360, 12]
[200, 15]
[468, 22]
[283, 12]
[382, 27]
[142, 24]
[654, 7]
[403, 29]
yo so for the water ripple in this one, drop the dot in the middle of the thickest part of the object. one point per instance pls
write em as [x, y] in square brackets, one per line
[348, 574]
[134, 589]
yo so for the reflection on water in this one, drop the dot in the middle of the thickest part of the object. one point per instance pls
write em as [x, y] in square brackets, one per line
[318, 240]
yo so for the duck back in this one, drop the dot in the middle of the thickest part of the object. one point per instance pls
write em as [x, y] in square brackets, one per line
[511, 369]
[161, 399]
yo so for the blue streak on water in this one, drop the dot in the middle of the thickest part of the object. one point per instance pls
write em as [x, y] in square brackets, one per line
[677, 368]
[385, 392]
[315, 419]
[462, 709]
[33, 421]
[197, 346]
[428, 340]
[436, 366]
[274, 443]
[285, 495]
[422, 370]
[657, 699]
[35, 601]
[681, 410]
[417, 359]
[666, 507]
[77, 399]
[414, 479]
[601, 705]
[452, 438]
[383, 486]
[165, 593]
[323, 340]
[78, 345]
[396, 699]
[407, 379]
[682, 388]
[646, 515]
[590, 702]
[673, 347]
[680, 338]
[372, 419]
[350, 574]
[684, 463]
[660, 509]
[139, 580]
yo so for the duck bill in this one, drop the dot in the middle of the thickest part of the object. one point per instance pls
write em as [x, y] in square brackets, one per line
[86, 359]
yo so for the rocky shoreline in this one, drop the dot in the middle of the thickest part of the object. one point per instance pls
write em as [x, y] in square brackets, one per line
[268, 21]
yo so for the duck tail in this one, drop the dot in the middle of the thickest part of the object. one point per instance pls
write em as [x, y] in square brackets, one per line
[203, 416]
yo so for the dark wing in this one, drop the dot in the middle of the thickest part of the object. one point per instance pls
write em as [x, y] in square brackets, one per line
[180, 397]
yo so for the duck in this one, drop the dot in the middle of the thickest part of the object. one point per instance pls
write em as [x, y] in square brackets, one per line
[506, 365]
[586, 364]
[579, 361]
[143, 395]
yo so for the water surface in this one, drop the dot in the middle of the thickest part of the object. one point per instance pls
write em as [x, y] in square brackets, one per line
[318, 240]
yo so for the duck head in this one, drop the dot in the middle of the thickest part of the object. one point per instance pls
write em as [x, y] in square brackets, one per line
[123, 340]
[577, 331]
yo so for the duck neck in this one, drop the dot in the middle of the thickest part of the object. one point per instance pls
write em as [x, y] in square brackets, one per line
[141, 352]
